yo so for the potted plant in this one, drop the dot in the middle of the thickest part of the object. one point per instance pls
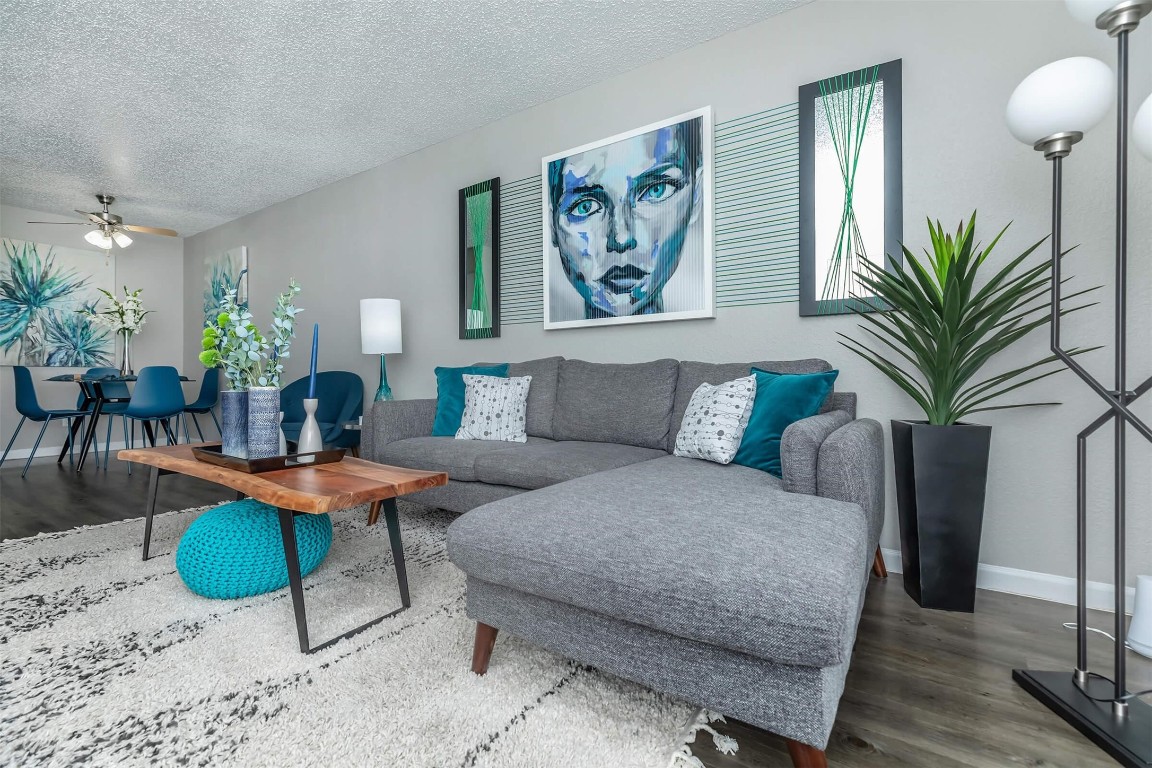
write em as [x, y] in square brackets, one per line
[938, 323]
[252, 364]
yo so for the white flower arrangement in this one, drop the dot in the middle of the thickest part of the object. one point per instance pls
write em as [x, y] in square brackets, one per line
[126, 317]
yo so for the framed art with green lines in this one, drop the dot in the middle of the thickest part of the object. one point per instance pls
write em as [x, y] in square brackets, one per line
[851, 203]
[628, 226]
[480, 260]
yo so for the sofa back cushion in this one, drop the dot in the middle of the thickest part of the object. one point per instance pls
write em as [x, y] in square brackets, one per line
[693, 374]
[629, 404]
[545, 373]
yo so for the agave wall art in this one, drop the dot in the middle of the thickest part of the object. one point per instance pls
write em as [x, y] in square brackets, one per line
[44, 291]
[227, 271]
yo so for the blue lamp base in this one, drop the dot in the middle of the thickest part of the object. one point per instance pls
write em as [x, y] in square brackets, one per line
[383, 392]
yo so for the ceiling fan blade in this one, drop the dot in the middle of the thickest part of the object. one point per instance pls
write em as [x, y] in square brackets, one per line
[75, 223]
[89, 215]
[150, 230]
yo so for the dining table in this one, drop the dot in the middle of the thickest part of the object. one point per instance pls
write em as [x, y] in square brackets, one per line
[92, 390]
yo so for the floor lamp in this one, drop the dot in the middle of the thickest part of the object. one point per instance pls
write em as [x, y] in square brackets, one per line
[1051, 110]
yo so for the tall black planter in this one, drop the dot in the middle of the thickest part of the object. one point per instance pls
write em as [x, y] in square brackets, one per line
[941, 476]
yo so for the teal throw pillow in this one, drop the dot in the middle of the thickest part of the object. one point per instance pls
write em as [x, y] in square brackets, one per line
[781, 399]
[450, 395]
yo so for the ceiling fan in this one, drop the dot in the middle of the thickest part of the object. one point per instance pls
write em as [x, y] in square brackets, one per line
[110, 228]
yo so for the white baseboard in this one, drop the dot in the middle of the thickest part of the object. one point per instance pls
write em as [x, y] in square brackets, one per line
[54, 450]
[1043, 586]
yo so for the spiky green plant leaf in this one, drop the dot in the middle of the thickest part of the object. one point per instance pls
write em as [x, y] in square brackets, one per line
[947, 330]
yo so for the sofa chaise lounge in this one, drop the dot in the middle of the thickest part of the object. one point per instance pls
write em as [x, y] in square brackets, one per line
[719, 584]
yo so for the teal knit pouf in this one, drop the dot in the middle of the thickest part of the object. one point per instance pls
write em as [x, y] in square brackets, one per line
[236, 550]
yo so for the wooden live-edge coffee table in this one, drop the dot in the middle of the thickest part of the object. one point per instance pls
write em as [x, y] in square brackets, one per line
[300, 491]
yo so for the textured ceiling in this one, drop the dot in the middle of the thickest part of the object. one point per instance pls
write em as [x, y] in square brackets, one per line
[195, 112]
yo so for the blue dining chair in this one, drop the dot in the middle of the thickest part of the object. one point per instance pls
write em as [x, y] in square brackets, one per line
[158, 397]
[29, 408]
[204, 403]
[114, 390]
[341, 396]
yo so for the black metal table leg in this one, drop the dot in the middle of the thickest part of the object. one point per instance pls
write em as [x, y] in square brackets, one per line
[149, 435]
[296, 585]
[288, 534]
[90, 432]
[150, 504]
[393, 522]
[70, 440]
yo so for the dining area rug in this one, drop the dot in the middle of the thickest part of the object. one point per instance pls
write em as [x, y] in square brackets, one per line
[110, 660]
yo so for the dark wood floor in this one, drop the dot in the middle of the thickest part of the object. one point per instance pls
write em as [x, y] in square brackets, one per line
[926, 688]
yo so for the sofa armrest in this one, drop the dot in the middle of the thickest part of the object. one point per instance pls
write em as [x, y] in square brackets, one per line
[392, 420]
[850, 467]
[800, 448]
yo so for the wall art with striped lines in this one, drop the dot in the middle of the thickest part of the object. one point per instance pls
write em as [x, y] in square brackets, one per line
[756, 220]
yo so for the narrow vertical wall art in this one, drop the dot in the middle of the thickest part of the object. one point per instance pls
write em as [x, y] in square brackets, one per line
[851, 205]
[480, 260]
[227, 271]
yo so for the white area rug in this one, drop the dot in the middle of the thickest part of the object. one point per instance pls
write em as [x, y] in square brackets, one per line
[108, 660]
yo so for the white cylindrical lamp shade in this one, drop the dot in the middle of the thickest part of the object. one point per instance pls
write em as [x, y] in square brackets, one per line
[1067, 95]
[380, 327]
[1142, 128]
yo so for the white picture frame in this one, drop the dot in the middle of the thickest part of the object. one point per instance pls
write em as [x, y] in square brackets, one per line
[626, 291]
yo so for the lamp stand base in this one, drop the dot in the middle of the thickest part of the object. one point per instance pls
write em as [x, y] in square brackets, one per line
[1128, 739]
[383, 392]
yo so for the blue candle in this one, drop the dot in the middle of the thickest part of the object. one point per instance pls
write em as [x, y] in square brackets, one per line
[312, 370]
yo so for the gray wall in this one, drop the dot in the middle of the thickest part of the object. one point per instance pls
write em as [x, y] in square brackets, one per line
[392, 232]
[152, 263]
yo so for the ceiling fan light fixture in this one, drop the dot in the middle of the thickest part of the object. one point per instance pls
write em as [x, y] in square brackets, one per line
[99, 238]
[121, 239]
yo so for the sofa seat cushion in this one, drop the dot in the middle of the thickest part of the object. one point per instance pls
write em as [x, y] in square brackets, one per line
[548, 463]
[447, 454]
[709, 552]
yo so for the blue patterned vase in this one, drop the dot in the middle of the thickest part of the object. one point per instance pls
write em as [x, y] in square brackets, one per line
[234, 422]
[263, 422]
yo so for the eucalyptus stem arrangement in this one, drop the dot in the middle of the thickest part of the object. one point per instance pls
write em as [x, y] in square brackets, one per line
[943, 328]
[234, 343]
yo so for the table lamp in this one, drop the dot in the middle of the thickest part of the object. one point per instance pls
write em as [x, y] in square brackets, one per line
[380, 335]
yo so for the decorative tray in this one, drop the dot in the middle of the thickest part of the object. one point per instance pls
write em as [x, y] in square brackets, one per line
[213, 454]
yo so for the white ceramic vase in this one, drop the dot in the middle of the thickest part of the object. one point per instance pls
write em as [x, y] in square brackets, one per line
[310, 438]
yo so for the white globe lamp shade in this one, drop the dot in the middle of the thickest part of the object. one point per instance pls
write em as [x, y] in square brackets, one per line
[1087, 11]
[1070, 95]
[380, 327]
[1142, 129]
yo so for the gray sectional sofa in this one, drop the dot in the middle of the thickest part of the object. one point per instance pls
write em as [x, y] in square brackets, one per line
[722, 585]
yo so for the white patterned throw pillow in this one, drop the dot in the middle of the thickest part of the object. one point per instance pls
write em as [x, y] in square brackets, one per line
[715, 420]
[494, 408]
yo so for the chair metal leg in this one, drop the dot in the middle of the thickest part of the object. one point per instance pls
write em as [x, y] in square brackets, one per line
[195, 423]
[108, 440]
[184, 420]
[39, 437]
[216, 421]
[129, 437]
[72, 443]
[13, 440]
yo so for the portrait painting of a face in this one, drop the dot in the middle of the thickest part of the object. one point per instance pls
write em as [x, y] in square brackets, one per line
[628, 227]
